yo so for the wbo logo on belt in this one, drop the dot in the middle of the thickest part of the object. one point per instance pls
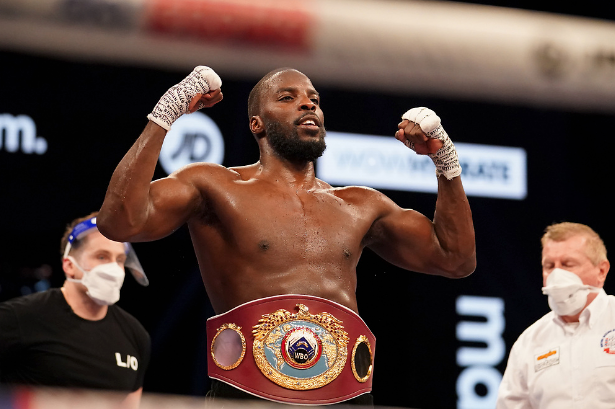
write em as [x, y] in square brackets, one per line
[300, 351]
[302, 348]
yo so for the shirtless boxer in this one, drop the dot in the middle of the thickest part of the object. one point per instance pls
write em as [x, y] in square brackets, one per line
[271, 229]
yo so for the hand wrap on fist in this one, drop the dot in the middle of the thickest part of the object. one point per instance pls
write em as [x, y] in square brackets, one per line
[179, 98]
[445, 159]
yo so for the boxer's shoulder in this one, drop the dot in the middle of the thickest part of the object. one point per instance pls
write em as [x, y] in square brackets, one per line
[245, 172]
[363, 196]
[204, 175]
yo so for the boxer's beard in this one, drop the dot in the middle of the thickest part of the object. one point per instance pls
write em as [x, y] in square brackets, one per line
[290, 146]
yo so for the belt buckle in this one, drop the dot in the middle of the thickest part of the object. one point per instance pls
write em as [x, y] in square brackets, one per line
[300, 351]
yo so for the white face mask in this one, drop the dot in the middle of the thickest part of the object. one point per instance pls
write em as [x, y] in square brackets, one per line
[567, 293]
[103, 282]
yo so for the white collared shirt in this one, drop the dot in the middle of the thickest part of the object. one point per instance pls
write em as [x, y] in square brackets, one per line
[555, 365]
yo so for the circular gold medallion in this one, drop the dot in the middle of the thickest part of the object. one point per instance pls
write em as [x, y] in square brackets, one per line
[228, 347]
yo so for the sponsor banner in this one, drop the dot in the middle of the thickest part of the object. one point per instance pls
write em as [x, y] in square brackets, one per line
[384, 163]
[18, 134]
[193, 138]
[479, 362]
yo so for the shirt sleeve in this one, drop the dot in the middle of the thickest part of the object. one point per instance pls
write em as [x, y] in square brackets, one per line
[513, 392]
[145, 352]
[9, 333]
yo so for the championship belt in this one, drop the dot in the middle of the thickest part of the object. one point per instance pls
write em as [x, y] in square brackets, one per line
[296, 349]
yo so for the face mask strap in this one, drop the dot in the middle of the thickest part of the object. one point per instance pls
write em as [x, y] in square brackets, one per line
[72, 259]
[67, 250]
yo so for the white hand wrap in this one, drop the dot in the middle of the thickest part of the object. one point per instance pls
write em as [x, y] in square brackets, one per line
[445, 159]
[176, 101]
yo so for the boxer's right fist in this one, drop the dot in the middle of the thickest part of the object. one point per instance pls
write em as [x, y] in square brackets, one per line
[186, 97]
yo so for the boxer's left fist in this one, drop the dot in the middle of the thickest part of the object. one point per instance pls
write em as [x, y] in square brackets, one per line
[421, 131]
[416, 130]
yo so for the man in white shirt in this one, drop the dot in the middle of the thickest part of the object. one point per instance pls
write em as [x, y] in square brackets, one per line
[566, 359]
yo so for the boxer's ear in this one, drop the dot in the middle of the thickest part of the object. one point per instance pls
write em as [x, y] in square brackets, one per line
[257, 126]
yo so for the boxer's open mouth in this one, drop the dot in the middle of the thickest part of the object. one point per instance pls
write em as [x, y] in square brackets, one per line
[309, 121]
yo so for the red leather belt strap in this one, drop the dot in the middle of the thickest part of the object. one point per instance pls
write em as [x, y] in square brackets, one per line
[250, 320]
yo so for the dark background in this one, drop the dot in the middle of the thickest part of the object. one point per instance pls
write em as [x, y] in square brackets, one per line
[91, 113]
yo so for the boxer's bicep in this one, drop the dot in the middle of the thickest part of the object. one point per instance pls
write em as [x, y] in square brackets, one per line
[406, 238]
[172, 201]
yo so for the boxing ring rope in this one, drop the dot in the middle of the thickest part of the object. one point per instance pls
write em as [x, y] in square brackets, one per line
[59, 398]
[450, 50]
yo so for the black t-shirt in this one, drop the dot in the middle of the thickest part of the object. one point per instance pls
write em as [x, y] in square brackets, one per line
[44, 343]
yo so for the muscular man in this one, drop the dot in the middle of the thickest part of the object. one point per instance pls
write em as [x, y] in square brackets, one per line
[566, 359]
[74, 336]
[272, 228]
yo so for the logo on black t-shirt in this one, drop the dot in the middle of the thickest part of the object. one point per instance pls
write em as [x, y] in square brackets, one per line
[131, 361]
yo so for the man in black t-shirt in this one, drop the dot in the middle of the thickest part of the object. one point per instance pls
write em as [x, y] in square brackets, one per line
[74, 336]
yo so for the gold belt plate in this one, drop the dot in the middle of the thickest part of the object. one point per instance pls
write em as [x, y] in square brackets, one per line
[300, 351]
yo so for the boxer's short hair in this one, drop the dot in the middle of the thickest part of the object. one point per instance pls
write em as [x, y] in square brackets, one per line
[254, 99]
